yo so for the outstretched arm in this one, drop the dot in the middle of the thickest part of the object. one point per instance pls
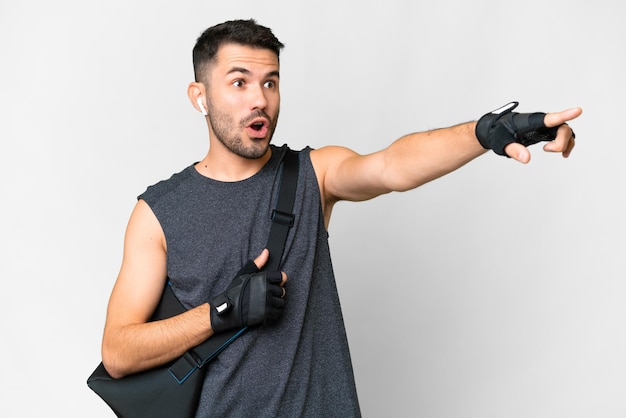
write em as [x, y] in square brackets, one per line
[416, 159]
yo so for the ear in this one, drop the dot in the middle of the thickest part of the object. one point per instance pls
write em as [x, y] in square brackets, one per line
[197, 94]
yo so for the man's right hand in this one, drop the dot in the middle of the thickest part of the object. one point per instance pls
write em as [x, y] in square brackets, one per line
[252, 298]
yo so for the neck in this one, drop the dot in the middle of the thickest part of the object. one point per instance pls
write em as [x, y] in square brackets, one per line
[222, 165]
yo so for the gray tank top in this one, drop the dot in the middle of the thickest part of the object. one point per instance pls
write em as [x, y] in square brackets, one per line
[297, 367]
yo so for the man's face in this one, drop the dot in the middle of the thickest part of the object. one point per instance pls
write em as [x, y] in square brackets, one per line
[243, 99]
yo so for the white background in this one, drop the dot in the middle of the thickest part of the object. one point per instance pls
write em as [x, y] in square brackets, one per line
[497, 291]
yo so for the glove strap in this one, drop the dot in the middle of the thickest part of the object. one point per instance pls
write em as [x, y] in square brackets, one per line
[222, 304]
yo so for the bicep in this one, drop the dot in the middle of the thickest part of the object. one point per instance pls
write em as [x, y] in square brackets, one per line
[346, 175]
[142, 275]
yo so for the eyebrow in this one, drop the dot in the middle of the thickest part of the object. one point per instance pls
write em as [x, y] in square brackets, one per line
[245, 71]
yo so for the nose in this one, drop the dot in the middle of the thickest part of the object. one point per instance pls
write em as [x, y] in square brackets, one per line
[258, 99]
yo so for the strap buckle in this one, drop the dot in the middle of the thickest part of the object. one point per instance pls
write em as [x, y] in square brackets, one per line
[283, 218]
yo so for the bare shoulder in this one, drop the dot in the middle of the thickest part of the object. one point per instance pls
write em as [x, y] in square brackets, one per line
[330, 154]
[144, 225]
[328, 159]
[326, 162]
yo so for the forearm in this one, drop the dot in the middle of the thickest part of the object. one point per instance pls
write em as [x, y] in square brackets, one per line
[418, 158]
[135, 347]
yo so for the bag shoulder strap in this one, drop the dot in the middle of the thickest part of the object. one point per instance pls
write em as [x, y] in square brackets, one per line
[282, 220]
[283, 216]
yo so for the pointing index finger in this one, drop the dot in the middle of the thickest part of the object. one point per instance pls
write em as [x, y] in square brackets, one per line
[559, 118]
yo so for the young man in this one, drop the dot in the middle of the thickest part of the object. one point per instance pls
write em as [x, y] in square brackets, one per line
[201, 226]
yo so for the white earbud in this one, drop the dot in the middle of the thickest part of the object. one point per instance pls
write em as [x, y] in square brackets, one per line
[201, 105]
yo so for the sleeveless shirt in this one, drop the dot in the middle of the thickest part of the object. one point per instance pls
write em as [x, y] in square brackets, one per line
[300, 365]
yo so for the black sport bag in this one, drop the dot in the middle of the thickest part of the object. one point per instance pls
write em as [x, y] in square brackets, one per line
[171, 390]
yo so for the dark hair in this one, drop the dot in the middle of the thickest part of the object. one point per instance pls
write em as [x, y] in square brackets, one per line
[243, 32]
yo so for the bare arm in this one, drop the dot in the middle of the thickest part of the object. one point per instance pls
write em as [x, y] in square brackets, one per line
[130, 343]
[414, 160]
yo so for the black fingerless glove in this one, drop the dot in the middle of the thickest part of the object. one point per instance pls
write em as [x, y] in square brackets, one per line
[252, 298]
[499, 128]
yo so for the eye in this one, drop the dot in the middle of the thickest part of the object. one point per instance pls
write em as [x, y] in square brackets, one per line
[270, 84]
[238, 83]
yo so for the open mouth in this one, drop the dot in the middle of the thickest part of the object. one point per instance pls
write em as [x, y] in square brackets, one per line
[257, 126]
